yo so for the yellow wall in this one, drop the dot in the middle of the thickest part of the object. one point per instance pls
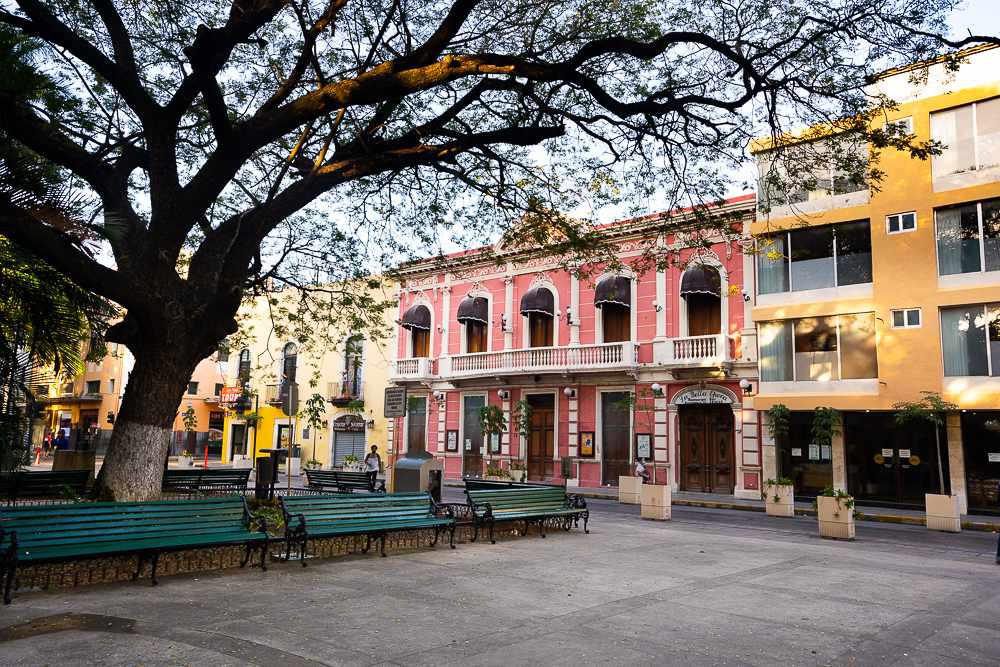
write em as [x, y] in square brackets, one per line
[316, 371]
[905, 275]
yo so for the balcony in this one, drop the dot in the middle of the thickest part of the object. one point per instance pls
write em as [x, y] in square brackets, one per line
[412, 370]
[272, 394]
[693, 351]
[576, 358]
[344, 393]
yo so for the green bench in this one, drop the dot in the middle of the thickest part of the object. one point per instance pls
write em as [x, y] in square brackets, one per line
[201, 480]
[374, 516]
[341, 481]
[24, 484]
[475, 483]
[39, 534]
[531, 504]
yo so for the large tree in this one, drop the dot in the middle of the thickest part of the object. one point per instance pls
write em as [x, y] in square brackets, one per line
[232, 144]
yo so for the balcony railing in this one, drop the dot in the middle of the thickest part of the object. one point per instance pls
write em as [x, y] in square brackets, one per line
[412, 369]
[574, 357]
[708, 350]
[272, 394]
[342, 393]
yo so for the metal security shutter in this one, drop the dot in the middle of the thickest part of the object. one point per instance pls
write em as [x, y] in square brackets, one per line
[345, 443]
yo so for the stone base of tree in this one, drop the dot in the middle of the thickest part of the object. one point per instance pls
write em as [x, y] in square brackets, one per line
[943, 512]
[655, 502]
[780, 501]
[240, 461]
[629, 490]
[836, 520]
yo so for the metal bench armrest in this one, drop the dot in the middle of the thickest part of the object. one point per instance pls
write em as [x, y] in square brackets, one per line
[576, 502]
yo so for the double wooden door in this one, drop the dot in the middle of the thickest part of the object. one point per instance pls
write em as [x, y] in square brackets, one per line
[541, 440]
[616, 430]
[706, 437]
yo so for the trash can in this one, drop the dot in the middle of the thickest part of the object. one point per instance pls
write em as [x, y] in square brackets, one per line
[264, 482]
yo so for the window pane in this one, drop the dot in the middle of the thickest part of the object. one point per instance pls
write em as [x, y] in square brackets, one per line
[854, 253]
[993, 325]
[953, 128]
[775, 351]
[988, 133]
[958, 240]
[772, 265]
[991, 234]
[857, 346]
[893, 223]
[898, 318]
[812, 258]
[963, 341]
[816, 349]
[913, 317]
[909, 221]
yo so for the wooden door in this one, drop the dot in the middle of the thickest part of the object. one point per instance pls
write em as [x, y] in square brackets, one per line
[540, 330]
[707, 457]
[416, 425]
[421, 343]
[616, 323]
[472, 436]
[475, 337]
[616, 435]
[540, 443]
[704, 314]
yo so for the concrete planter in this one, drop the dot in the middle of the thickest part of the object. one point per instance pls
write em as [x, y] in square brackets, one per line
[780, 500]
[518, 475]
[185, 460]
[943, 512]
[836, 519]
[242, 462]
[629, 489]
[495, 478]
[294, 466]
[655, 501]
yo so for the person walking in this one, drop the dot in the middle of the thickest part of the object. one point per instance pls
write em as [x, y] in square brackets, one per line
[373, 466]
[640, 471]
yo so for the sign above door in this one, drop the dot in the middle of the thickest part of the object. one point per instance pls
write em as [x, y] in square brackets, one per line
[702, 397]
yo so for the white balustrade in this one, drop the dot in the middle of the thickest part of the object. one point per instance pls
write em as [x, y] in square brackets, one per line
[412, 368]
[578, 357]
[697, 349]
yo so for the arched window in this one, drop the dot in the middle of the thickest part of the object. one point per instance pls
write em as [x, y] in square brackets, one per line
[613, 295]
[418, 321]
[244, 369]
[289, 360]
[538, 305]
[353, 364]
[702, 291]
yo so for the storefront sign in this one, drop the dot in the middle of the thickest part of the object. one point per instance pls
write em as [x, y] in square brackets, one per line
[228, 396]
[702, 397]
[993, 457]
[349, 424]
[395, 402]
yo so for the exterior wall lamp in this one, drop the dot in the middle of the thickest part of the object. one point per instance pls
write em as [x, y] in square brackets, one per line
[503, 394]
[569, 392]
[657, 389]
[657, 307]
[440, 396]
[503, 324]
[747, 386]
[569, 317]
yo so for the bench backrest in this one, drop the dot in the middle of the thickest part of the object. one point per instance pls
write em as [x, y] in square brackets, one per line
[473, 483]
[358, 509]
[89, 523]
[229, 477]
[35, 484]
[521, 498]
[336, 478]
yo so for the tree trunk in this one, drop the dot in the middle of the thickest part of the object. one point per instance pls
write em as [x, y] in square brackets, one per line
[133, 466]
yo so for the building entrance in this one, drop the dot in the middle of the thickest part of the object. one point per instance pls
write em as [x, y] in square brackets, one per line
[472, 436]
[707, 457]
[541, 436]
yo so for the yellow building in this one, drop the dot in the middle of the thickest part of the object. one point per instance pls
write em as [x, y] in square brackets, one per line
[868, 298]
[350, 380]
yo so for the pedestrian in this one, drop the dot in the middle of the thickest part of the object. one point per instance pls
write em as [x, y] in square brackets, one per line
[640, 470]
[61, 441]
[373, 466]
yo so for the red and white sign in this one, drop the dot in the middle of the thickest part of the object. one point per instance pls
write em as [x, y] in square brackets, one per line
[228, 395]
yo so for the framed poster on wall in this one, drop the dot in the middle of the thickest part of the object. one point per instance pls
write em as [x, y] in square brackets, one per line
[643, 445]
[451, 441]
[587, 443]
[494, 443]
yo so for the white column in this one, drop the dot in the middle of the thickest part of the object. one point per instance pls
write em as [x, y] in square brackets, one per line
[573, 422]
[574, 304]
[505, 436]
[442, 408]
[956, 461]
[508, 310]
[672, 430]
[748, 341]
[446, 310]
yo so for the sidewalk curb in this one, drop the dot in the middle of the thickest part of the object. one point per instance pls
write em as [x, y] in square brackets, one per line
[982, 526]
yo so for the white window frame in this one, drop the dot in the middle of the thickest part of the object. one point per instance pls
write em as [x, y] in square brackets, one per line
[978, 167]
[905, 121]
[906, 320]
[982, 240]
[984, 309]
[902, 229]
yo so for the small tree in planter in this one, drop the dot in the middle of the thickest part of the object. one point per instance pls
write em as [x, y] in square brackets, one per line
[491, 421]
[313, 414]
[943, 511]
[518, 471]
[190, 420]
[779, 497]
[835, 511]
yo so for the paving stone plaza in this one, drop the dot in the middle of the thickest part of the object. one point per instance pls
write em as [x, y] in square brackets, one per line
[710, 587]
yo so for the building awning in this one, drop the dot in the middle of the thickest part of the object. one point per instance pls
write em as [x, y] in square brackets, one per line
[616, 290]
[474, 309]
[417, 317]
[701, 280]
[538, 300]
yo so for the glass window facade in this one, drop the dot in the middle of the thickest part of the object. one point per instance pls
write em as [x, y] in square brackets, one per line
[970, 340]
[819, 349]
[968, 238]
[815, 258]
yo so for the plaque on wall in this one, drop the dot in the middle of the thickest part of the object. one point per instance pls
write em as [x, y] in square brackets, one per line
[587, 443]
[494, 443]
[451, 441]
[643, 445]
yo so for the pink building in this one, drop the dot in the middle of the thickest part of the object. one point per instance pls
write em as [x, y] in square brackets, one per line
[588, 373]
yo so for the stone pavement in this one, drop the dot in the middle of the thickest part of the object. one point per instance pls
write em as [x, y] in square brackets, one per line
[708, 588]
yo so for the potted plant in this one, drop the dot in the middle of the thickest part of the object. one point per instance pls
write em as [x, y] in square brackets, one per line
[312, 464]
[518, 471]
[351, 462]
[496, 473]
[185, 459]
[655, 501]
[491, 421]
[835, 511]
[779, 497]
[943, 509]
